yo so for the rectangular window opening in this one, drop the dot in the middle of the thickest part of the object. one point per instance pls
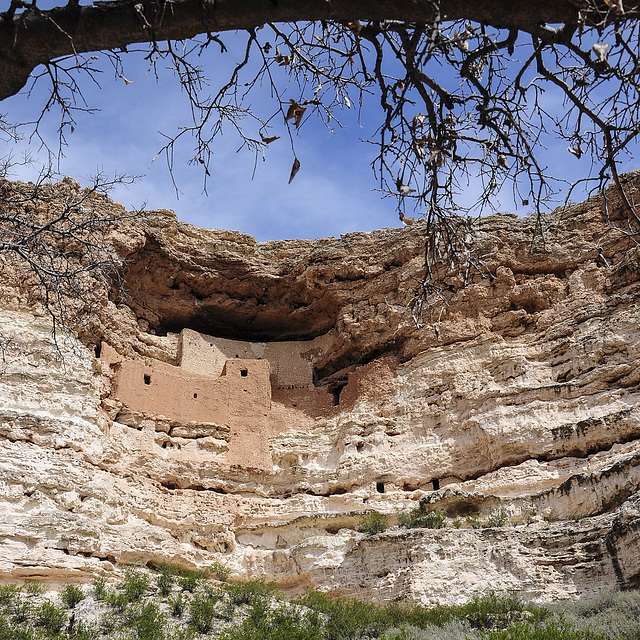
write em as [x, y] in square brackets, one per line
[147, 379]
[244, 372]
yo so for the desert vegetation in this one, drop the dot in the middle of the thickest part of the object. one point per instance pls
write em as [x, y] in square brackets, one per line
[423, 516]
[173, 604]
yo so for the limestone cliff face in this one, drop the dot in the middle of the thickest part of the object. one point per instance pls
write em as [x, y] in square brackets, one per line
[247, 402]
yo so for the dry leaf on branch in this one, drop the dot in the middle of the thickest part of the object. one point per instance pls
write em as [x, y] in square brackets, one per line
[268, 140]
[294, 169]
[295, 112]
[615, 5]
[576, 150]
[280, 59]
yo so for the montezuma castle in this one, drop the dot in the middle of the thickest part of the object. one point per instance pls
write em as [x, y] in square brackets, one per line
[246, 391]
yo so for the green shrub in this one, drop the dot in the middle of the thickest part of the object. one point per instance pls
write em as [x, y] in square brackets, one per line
[71, 595]
[473, 521]
[82, 631]
[165, 580]
[498, 611]
[615, 614]
[497, 518]
[135, 584]
[283, 622]
[22, 610]
[109, 623]
[226, 611]
[455, 630]
[148, 622]
[32, 588]
[552, 630]
[99, 588]
[50, 618]
[251, 592]
[177, 605]
[8, 631]
[9, 595]
[117, 599]
[373, 523]
[343, 619]
[202, 613]
[420, 517]
[189, 580]
[220, 571]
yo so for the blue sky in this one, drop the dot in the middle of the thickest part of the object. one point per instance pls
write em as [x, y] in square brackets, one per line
[333, 193]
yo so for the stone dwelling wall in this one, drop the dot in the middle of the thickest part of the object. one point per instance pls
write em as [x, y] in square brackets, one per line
[240, 396]
[369, 381]
[241, 392]
[313, 401]
[291, 362]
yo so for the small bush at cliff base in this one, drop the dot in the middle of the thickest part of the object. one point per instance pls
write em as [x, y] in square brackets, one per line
[117, 600]
[165, 580]
[148, 622]
[455, 630]
[50, 618]
[99, 588]
[202, 613]
[8, 631]
[220, 571]
[177, 606]
[498, 518]
[190, 579]
[251, 592]
[345, 619]
[473, 521]
[615, 614]
[498, 611]
[135, 584]
[373, 523]
[283, 622]
[9, 596]
[72, 595]
[33, 588]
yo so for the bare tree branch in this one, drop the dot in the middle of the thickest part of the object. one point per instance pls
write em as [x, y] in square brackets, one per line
[56, 237]
[30, 36]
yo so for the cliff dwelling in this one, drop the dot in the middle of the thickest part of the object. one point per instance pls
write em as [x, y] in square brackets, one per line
[248, 390]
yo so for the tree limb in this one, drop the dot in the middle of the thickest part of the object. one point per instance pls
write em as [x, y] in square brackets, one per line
[33, 36]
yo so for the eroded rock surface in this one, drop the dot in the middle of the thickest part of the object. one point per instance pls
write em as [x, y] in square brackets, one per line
[248, 402]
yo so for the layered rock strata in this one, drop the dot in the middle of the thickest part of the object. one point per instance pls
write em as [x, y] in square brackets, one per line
[247, 403]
